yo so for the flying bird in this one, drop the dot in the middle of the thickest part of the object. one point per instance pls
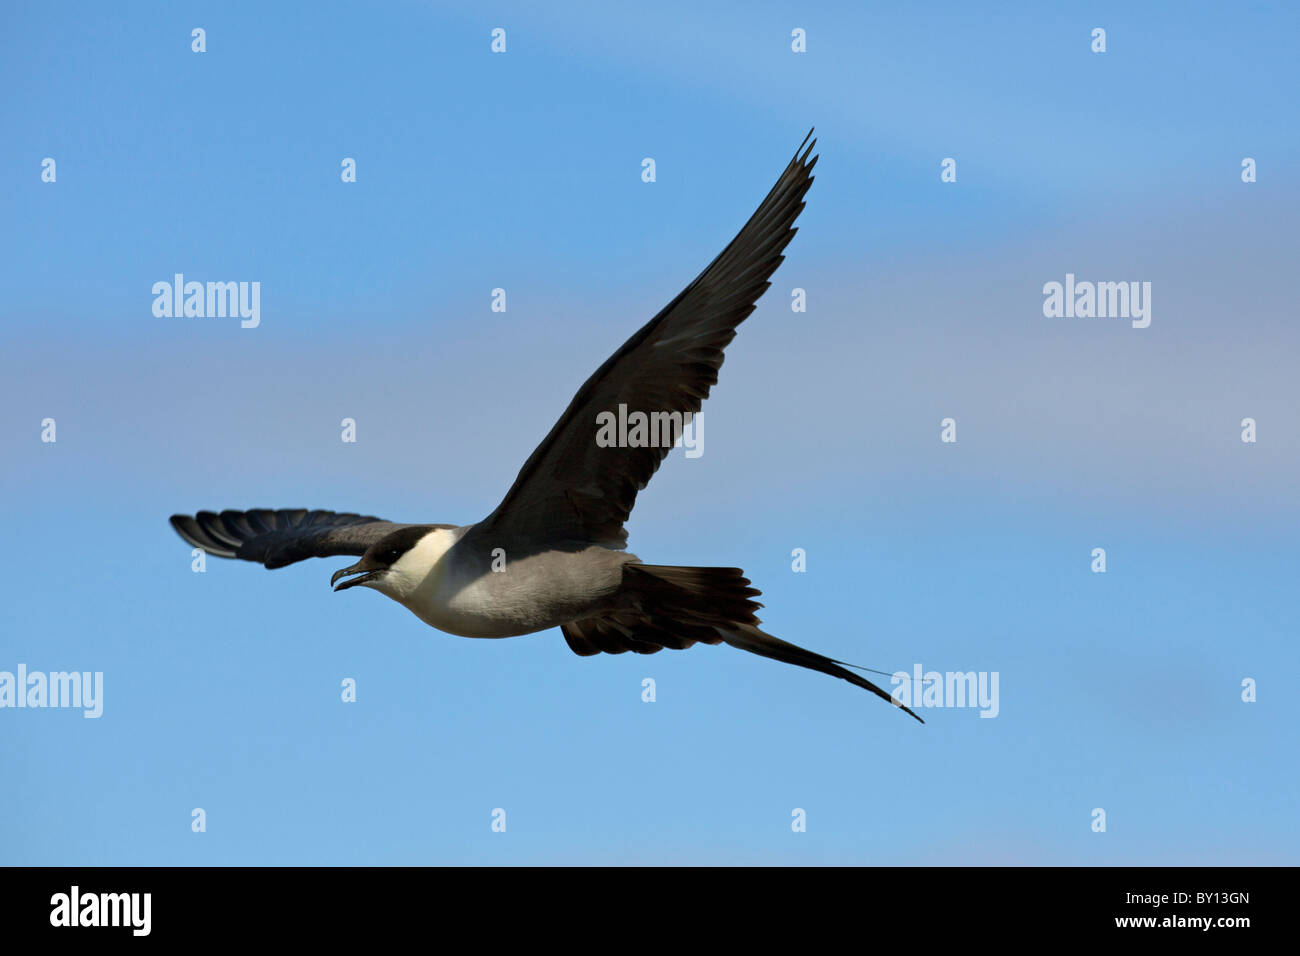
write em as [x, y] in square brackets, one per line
[553, 553]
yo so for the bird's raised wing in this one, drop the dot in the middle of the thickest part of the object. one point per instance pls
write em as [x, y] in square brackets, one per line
[573, 489]
[277, 538]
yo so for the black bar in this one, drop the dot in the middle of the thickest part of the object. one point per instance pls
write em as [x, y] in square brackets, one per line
[973, 904]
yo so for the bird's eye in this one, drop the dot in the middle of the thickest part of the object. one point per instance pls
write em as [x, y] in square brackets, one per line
[392, 556]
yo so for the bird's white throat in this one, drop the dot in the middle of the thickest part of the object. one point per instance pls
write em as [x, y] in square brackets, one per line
[415, 576]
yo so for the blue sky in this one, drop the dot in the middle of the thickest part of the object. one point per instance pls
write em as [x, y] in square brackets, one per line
[1119, 691]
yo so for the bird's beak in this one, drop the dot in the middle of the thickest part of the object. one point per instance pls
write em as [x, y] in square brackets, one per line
[367, 575]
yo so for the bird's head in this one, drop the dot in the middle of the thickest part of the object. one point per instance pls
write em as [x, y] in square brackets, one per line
[395, 565]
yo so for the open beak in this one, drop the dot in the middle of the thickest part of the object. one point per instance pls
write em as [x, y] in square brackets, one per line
[366, 576]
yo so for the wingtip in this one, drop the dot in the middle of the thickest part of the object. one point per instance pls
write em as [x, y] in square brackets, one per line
[182, 524]
[193, 534]
[805, 149]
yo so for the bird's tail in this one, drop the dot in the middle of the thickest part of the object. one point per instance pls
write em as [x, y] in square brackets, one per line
[719, 603]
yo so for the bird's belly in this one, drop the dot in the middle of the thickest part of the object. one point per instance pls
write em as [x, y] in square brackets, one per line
[467, 617]
[532, 594]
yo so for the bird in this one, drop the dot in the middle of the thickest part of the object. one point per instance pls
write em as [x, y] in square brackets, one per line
[554, 551]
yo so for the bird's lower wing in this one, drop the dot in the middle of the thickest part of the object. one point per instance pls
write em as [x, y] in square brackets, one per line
[277, 538]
